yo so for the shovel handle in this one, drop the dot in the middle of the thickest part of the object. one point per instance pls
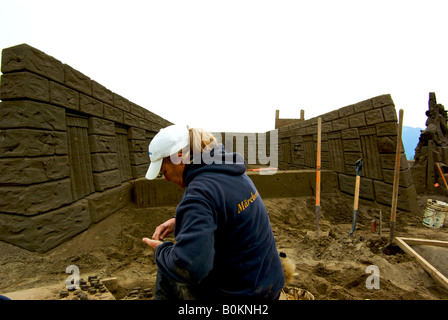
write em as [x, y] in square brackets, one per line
[357, 184]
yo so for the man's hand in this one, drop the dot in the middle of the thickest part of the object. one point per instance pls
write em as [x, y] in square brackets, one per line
[164, 229]
[152, 243]
[160, 233]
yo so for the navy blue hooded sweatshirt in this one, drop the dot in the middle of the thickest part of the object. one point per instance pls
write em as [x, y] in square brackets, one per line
[224, 241]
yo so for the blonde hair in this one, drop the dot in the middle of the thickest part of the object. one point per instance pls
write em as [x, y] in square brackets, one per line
[200, 141]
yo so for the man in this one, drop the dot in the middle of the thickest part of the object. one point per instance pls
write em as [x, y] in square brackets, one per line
[224, 245]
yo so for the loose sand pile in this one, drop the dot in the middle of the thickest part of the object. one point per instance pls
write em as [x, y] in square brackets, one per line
[330, 267]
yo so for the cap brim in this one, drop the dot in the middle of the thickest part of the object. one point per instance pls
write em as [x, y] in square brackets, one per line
[154, 169]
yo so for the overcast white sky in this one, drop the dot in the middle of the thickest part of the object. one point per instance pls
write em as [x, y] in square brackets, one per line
[228, 65]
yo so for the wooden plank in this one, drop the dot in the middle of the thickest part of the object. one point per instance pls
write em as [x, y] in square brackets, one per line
[427, 242]
[425, 264]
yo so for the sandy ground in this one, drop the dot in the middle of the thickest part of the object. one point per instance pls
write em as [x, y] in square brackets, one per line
[330, 267]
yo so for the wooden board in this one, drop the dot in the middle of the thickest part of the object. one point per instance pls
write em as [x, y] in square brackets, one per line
[404, 243]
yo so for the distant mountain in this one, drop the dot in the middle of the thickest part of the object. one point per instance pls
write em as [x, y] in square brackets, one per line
[410, 138]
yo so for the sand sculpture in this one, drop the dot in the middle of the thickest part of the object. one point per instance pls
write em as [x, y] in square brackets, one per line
[431, 153]
[72, 152]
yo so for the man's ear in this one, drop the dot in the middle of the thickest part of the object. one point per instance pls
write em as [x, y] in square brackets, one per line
[182, 157]
[177, 158]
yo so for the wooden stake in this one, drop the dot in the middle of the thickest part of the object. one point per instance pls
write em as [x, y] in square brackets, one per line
[393, 209]
[318, 171]
[441, 173]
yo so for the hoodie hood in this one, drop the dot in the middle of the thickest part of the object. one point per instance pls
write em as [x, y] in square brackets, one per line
[217, 160]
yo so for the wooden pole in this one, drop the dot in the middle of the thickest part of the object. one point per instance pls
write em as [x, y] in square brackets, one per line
[393, 209]
[441, 173]
[318, 172]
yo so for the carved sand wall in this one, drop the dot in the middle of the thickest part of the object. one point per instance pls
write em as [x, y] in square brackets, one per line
[69, 149]
[366, 130]
[430, 168]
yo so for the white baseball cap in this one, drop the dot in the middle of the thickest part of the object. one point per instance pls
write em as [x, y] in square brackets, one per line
[166, 142]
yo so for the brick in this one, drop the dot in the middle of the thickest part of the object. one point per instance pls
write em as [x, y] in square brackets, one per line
[138, 146]
[101, 93]
[387, 145]
[157, 127]
[340, 124]
[104, 161]
[106, 179]
[311, 130]
[405, 177]
[149, 115]
[407, 197]
[350, 159]
[334, 135]
[31, 114]
[346, 111]
[137, 158]
[347, 185]
[304, 123]
[292, 126]
[101, 126]
[36, 198]
[313, 121]
[25, 57]
[45, 231]
[350, 134]
[351, 145]
[137, 110]
[30, 143]
[357, 120]
[326, 127]
[374, 116]
[330, 116]
[24, 85]
[77, 80]
[121, 103]
[386, 129]
[33, 170]
[100, 143]
[103, 204]
[112, 113]
[390, 113]
[130, 119]
[382, 101]
[63, 96]
[90, 106]
[139, 171]
[143, 123]
[136, 133]
[388, 161]
[362, 106]
[299, 132]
